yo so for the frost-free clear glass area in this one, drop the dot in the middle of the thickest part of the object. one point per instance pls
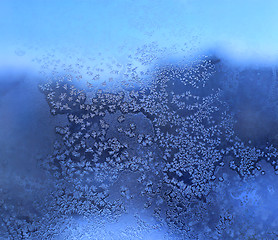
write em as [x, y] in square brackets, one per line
[136, 119]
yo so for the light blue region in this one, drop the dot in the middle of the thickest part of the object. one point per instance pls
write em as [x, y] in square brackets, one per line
[243, 29]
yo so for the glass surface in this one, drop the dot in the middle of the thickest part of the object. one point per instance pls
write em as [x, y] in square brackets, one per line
[136, 119]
